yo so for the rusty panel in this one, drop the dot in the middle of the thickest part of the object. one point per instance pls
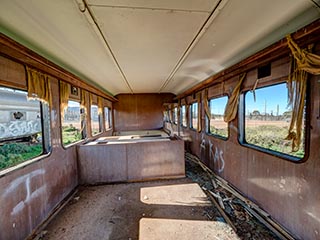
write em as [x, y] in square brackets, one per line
[139, 111]
[102, 163]
[156, 159]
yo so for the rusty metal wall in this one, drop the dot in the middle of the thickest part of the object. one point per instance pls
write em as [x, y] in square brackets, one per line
[288, 191]
[140, 111]
[29, 194]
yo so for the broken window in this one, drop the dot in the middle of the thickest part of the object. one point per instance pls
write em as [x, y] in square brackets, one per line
[267, 118]
[24, 127]
[194, 115]
[95, 120]
[71, 123]
[107, 118]
[216, 125]
[183, 116]
[175, 115]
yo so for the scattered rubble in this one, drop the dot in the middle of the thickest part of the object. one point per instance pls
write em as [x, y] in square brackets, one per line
[234, 211]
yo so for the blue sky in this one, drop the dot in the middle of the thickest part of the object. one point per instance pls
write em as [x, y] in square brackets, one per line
[218, 105]
[270, 97]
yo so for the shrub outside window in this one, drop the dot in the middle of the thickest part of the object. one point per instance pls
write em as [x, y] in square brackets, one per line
[194, 115]
[107, 118]
[71, 123]
[95, 120]
[216, 125]
[183, 116]
[267, 120]
[21, 130]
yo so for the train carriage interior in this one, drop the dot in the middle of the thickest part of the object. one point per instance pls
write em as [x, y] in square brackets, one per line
[146, 119]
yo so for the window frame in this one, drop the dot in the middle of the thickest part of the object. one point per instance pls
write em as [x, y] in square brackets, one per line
[100, 120]
[208, 132]
[284, 156]
[109, 118]
[183, 116]
[175, 117]
[191, 117]
[83, 125]
[45, 134]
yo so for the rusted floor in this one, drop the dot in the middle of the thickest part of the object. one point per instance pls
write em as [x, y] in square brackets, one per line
[169, 209]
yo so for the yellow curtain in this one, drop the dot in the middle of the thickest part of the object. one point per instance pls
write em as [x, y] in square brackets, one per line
[231, 109]
[64, 97]
[199, 127]
[38, 86]
[100, 105]
[306, 60]
[302, 63]
[206, 104]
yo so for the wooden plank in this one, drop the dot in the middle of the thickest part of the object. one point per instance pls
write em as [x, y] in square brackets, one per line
[223, 214]
[102, 163]
[150, 160]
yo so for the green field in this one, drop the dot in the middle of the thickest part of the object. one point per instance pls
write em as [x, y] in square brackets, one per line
[272, 137]
[70, 134]
[14, 153]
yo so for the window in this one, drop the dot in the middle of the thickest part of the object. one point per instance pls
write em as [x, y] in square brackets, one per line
[107, 118]
[183, 116]
[166, 116]
[217, 126]
[95, 120]
[175, 115]
[267, 120]
[24, 128]
[194, 115]
[71, 123]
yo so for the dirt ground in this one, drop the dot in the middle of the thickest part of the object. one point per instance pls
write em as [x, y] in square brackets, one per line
[166, 210]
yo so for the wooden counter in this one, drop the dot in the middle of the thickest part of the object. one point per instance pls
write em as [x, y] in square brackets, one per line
[131, 158]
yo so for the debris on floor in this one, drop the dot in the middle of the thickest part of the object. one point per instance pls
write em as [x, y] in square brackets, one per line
[238, 213]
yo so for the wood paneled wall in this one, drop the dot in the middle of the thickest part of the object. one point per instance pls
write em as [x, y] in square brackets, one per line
[287, 190]
[29, 192]
[140, 111]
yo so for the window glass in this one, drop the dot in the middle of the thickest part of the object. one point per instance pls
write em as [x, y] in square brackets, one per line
[217, 126]
[183, 115]
[71, 123]
[95, 120]
[194, 115]
[166, 116]
[268, 118]
[107, 118]
[175, 115]
[21, 130]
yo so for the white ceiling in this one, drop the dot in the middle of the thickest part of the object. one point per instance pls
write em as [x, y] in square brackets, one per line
[145, 46]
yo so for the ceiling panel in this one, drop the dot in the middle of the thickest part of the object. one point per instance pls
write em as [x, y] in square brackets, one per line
[241, 29]
[58, 31]
[189, 5]
[148, 43]
[149, 37]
